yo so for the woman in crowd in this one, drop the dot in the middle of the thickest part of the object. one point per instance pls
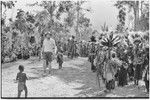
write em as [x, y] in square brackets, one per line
[138, 61]
[92, 53]
[122, 75]
[111, 69]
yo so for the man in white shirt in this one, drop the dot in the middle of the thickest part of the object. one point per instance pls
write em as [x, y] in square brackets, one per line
[48, 49]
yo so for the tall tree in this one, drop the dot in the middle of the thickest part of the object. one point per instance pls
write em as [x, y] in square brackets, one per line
[133, 5]
[5, 29]
[49, 18]
[144, 18]
[6, 5]
[79, 9]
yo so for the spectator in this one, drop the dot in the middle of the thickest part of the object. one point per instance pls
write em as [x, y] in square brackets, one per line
[48, 49]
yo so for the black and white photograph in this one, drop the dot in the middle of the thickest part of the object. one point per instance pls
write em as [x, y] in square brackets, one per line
[75, 49]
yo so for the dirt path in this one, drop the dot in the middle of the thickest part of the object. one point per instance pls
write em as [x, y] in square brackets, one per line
[74, 80]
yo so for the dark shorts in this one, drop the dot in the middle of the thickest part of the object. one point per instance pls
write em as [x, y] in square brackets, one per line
[21, 86]
[48, 56]
[60, 58]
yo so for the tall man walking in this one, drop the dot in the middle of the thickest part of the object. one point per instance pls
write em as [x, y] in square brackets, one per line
[48, 49]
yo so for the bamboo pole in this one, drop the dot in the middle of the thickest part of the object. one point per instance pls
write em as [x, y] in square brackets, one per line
[77, 34]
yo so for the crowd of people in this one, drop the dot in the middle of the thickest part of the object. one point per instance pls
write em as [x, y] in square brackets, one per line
[109, 66]
[133, 65]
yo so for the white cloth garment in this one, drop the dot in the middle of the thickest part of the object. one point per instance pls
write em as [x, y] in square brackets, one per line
[49, 45]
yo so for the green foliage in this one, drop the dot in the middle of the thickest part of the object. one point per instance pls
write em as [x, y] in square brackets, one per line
[141, 23]
[50, 6]
[8, 4]
[30, 17]
[121, 15]
[144, 18]
[6, 29]
[20, 22]
[69, 20]
[19, 34]
[120, 4]
[84, 21]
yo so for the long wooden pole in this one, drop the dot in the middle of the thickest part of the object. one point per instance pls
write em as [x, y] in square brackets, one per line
[77, 34]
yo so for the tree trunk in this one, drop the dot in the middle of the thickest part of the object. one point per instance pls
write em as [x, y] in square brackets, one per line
[1, 8]
[141, 7]
[77, 34]
[136, 15]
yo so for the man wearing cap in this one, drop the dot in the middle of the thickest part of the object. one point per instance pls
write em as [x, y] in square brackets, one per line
[48, 49]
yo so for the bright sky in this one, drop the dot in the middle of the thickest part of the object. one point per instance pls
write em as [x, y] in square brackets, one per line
[102, 11]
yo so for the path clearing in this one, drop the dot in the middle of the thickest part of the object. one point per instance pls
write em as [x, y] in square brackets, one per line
[75, 79]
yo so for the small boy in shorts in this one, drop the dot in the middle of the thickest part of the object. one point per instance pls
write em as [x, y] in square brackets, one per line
[21, 78]
[59, 55]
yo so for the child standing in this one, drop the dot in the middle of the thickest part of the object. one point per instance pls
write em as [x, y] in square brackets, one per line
[59, 55]
[21, 78]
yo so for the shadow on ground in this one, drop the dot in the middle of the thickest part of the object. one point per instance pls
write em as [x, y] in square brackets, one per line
[79, 74]
[75, 74]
